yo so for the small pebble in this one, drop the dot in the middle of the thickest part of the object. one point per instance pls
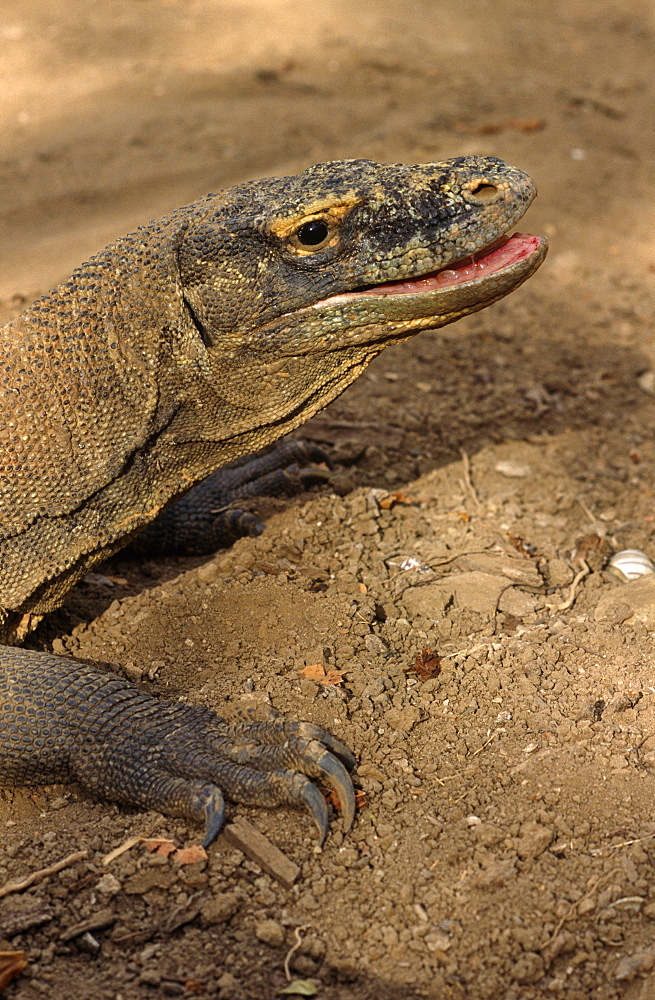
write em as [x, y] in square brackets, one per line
[219, 909]
[513, 470]
[270, 932]
[646, 382]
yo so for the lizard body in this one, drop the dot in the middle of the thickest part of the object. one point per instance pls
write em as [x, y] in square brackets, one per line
[196, 340]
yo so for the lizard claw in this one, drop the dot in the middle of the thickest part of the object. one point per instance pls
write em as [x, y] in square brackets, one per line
[339, 749]
[315, 803]
[214, 809]
[335, 773]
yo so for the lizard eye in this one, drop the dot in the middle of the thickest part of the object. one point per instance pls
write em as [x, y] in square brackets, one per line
[313, 234]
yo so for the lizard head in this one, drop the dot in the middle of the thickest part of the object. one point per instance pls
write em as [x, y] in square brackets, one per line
[295, 284]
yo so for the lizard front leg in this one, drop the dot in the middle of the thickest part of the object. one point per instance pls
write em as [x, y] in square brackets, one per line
[208, 516]
[65, 721]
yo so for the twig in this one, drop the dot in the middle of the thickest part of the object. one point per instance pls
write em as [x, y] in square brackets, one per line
[470, 650]
[594, 520]
[98, 922]
[434, 566]
[252, 842]
[467, 478]
[447, 777]
[292, 951]
[463, 795]
[18, 884]
[496, 732]
[624, 843]
[572, 911]
[565, 605]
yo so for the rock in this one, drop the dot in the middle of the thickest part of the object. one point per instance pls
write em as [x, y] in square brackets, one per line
[516, 568]
[228, 987]
[219, 909]
[345, 970]
[150, 878]
[517, 602]
[108, 884]
[375, 645]
[640, 961]
[646, 382]
[209, 572]
[560, 573]
[437, 941]
[270, 932]
[429, 601]
[487, 834]
[314, 655]
[634, 600]
[614, 612]
[475, 591]
[402, 718]
[617, 762]
[529, 968]
[497, 874]
[303, 965]
[533, 839]
[368, 770]
[151, 977]
[347, 856]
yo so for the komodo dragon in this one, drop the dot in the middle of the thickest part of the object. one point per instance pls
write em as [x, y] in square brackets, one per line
[188, 344]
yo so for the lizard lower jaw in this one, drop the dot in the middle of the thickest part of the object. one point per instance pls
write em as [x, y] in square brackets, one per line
[392, 312]
[499, 255]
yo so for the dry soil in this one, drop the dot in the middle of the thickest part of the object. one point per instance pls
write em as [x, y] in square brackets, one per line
[505, 844]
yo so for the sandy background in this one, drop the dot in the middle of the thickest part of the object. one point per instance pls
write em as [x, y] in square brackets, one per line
[505, 849]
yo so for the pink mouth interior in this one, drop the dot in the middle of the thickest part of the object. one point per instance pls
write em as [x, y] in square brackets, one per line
[499, 255]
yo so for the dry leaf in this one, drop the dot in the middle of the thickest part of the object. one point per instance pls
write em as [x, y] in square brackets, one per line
[519, 544]
[386, 502]
[334, 677]
[194, 986]
[313, 672]
[190, 855]
[316, 672]
[333, 799]
[427, 665]
[300, 988]
[160, 846]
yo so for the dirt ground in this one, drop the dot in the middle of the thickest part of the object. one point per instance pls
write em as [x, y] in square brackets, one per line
[505, 844]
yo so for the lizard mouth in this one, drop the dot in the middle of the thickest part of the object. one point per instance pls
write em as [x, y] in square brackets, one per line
[395, 310]
[503, 253]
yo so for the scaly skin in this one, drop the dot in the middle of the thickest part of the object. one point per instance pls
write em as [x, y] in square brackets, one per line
[199, 339]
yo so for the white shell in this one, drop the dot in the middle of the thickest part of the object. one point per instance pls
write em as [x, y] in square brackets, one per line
[630, 564]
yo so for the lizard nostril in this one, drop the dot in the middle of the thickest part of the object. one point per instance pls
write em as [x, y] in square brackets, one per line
[484, 192]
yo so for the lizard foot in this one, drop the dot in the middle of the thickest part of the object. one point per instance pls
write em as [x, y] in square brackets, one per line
[208, 516]
[121, 743]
